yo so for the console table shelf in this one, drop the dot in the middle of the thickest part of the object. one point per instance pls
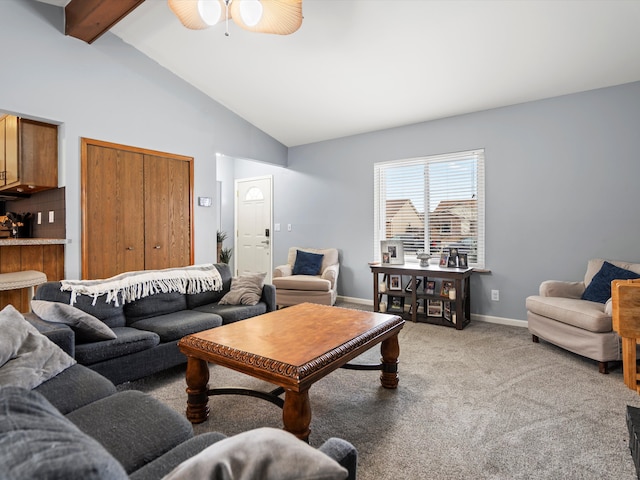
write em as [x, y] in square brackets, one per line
[460, 307]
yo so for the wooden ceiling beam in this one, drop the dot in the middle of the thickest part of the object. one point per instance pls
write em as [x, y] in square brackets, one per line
[89, 19]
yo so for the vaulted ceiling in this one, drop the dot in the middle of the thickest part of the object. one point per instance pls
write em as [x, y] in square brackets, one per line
[362, 65]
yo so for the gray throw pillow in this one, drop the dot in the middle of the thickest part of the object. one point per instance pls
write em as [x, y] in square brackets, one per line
[245, 290]
[87, 327]
[260, 454]
[27, 357]
[37, 441]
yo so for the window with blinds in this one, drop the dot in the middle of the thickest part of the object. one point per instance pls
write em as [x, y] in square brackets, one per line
[431, 204]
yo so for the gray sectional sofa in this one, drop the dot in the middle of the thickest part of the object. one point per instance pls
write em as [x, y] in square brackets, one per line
[77, 426]
[148, 329]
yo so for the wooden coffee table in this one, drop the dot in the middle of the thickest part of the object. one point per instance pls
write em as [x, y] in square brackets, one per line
[292, 348]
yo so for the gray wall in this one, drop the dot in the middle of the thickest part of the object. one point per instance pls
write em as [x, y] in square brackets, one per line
[561, 173]
[561, 188]
[109, 91]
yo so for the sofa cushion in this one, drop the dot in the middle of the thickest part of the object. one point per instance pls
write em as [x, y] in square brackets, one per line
[245, 290]
[27, 358]
[36, 441]
[583, 314]
[154, 305]
[308, 263]
[599, 289]
[159, 467]
[302, 282]
[198, 299]
[129, 340]
[76, 387]
[174, 326]
[265, 453]
[87, 327]
[128, 427]
[111, 315]
[233, 313]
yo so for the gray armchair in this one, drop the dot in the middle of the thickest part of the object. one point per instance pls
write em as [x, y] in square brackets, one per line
[318, 286]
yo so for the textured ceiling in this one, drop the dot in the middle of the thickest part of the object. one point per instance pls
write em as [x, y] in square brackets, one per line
[361, 65]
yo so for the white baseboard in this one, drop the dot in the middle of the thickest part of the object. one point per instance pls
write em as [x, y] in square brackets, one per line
[479, 318]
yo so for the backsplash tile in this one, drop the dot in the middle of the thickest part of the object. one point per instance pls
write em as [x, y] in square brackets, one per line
[49, 200]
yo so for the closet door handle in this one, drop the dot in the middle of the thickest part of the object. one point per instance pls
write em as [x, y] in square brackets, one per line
[130, 248]
[157, 247]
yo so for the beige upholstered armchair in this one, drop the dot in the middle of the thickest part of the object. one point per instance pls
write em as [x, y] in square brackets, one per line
[311, 276]
[577, 315]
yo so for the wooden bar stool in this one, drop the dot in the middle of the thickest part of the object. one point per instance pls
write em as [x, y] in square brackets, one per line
[625, 300]
[25, 279]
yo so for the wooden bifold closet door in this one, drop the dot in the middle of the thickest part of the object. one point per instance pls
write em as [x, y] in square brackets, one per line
[136, 209]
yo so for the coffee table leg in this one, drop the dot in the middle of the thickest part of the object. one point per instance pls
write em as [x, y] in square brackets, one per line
[197, 378]
[296, 414]
[390, 350]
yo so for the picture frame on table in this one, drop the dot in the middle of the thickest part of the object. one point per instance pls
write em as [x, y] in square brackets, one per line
[462, 260]
[446, 286]
[444, 259]
[430, 287]
[395, 282]
[434, 308]
[408, 288]
[394, 250]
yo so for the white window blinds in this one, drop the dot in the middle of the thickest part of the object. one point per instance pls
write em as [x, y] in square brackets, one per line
[432, 204]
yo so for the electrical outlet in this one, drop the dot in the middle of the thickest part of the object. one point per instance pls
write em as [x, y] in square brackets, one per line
[495, 295]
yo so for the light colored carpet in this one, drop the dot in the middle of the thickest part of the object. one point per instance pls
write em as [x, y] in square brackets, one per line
[482, 403]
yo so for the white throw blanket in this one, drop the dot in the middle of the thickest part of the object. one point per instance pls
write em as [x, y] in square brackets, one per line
[131, 286]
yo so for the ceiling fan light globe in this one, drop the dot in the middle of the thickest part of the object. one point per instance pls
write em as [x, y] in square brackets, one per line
[210, 11]
[251, 12]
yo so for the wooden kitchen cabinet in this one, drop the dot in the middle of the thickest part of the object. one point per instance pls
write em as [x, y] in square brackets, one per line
[136, 209]
[29, 158]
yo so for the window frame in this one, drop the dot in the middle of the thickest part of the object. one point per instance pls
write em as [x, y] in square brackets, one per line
[381, 171]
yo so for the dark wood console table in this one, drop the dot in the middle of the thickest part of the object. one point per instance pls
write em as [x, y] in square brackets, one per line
[460, 307]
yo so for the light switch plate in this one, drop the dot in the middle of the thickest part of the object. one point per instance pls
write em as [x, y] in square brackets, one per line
[51, 217]
[204, 201]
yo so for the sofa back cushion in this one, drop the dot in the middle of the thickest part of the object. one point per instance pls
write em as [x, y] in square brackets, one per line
[37, 441]
[198, 299]
[154, 305]
[111, 315]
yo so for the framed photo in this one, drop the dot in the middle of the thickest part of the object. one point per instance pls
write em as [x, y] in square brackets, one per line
[395, 251]
[395, 282]
[444, 259]
[434, 308]
[462, 260]
[447, 310]
[430, 287]
[396, 304]
[446, 286]
[452, 262]
[408, 288]
[385, 257]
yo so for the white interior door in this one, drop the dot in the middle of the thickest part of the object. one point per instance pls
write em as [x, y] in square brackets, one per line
[253, 226]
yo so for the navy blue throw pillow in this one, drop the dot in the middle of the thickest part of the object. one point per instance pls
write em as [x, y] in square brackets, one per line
[307, 263]
[599, 290]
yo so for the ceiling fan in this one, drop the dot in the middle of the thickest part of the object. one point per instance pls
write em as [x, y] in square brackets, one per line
[281, 17]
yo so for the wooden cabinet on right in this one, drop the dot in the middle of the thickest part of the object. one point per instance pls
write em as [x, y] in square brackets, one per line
[28, 155]
[137, 209]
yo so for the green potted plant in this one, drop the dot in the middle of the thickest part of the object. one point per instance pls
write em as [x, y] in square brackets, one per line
[220, 237]
[225, 255]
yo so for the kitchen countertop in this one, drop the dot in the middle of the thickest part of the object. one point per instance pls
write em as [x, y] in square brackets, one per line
[32, 241]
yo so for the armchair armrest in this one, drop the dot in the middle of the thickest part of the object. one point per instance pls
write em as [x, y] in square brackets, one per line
[282, 271]
[331, 273]
[557, 288]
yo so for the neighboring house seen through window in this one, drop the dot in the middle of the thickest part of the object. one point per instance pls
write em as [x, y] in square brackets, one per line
[432, 204]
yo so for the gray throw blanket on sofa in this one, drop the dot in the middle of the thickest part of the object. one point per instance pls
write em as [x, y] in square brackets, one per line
[131, 286]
